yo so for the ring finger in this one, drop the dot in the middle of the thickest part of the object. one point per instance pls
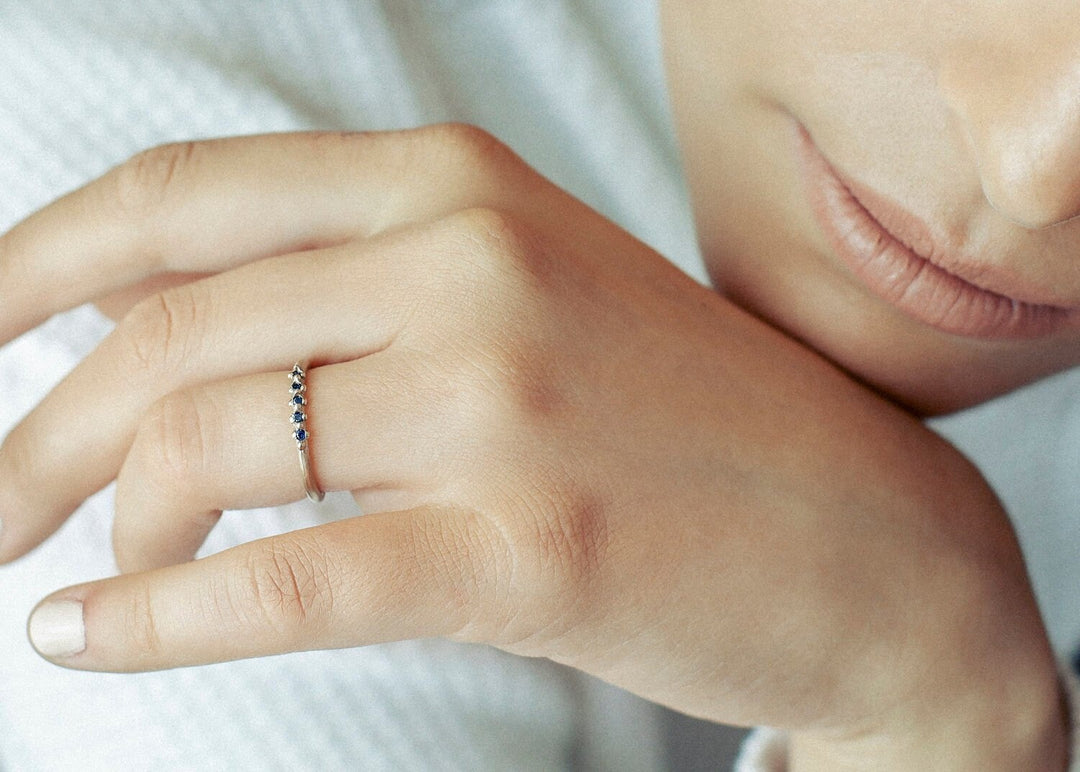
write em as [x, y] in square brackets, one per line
[230, 445]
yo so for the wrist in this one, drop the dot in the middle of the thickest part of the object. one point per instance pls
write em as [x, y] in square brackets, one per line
[1011, 725]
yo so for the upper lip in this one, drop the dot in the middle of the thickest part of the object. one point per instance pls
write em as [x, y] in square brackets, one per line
[920, 238]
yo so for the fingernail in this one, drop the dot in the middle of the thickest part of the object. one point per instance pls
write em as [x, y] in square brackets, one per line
[56, 628]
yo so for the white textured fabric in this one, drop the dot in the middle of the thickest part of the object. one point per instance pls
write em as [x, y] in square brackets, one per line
[575, 87]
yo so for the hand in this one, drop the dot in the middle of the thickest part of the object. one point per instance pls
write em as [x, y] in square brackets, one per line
[566, 447]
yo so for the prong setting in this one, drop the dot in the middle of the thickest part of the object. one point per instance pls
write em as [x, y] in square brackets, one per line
[298, 419]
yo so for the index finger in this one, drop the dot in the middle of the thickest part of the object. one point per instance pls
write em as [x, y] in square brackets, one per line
[191, 207]
[205, 207]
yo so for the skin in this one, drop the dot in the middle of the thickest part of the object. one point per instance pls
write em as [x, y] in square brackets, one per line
[965, 113]
[528, 423]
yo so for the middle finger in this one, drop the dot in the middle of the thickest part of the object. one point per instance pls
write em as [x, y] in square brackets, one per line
[209, 206]
[257, 318]
[229, 445]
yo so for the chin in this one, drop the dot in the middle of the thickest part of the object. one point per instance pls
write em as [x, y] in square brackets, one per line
[931, 373]
[924, 370]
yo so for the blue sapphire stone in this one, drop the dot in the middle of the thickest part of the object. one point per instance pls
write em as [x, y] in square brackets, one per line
[297, 372]
[301, 435]
[298, 400]
[296, 386]
[298, 417]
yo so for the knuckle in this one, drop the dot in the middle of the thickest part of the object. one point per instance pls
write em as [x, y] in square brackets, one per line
[469, 558]
[21, 464]
[469, 155]
[497, 230]
[496, 291]
[481, 277]
[160, 331]
[568, 542]
[526, 583]
[562, 550]
[139, 623]
[30, 462]
[177, 439]
[288, 586]
[492, 252]
[465, 141]
[144, 182]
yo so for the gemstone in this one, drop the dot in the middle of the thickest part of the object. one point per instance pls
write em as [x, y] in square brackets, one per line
[298, 400]
[297, 372]
[300, 435]
[298, 417]
[297, 386]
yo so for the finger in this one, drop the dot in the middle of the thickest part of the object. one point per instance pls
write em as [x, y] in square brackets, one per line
[208, 206]
[258, 318]
[117, 304]
[370, 579]
[230, 445]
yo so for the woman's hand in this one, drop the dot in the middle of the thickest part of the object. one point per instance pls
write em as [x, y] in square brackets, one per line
[565, 447]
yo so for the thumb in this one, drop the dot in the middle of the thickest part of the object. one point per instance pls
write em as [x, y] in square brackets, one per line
[379, 577]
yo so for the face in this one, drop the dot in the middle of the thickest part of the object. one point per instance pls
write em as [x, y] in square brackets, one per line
[895, 184]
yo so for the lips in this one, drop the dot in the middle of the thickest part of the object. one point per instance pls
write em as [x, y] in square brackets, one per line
[900, 264]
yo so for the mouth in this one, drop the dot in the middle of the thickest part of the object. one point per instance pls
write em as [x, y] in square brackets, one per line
[900, 264]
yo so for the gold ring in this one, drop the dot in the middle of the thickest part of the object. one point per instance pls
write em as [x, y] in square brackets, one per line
[297, 402]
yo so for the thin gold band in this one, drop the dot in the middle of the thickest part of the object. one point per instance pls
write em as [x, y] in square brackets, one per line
[297, 402]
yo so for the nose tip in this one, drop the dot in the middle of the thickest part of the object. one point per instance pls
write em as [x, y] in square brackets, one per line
[1031, 184]
[1020, 110]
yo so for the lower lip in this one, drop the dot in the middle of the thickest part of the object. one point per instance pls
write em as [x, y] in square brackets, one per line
[906, 280]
